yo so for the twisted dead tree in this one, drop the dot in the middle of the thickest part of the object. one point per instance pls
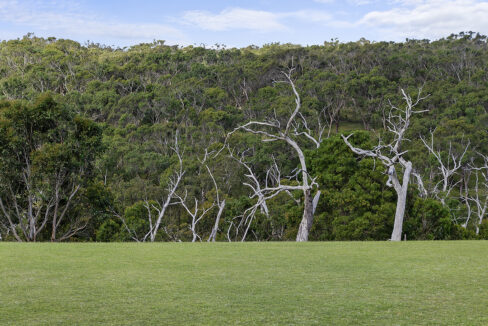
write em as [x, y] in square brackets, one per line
[392, 156]
[220, 204]
[163, 205]
[197, 214]
[199, 211]
[296, 128]
[464, 195]
[160, 207]
[253, 183]
[260, 193]
[447, 167]
[479, 193]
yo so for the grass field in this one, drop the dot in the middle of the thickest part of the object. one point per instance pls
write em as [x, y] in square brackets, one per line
[354, 283]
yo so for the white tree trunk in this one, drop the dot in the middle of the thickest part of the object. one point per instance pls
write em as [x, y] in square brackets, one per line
[401, 191]
[213, 235]
[307, 218]
[290, 134]
[316, 201]
[396, 235]
[398, 123]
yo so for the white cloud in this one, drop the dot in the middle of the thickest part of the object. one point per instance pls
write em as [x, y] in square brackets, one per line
[65, 20]
[255, 20]
[235, 18]
[429, 18]
[308, 15]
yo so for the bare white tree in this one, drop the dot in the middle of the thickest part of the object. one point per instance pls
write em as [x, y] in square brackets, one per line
[197, 214]
[330, 114]
[392, 156]
[447, 168]
[220, 204]
[296, 127]
[261, 194]
[465, 196]
[160, 207]
[199, 211]
[479, 195]
[253, 183]
[163, 205]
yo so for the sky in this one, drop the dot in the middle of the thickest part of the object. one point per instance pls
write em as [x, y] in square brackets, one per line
[240, 23]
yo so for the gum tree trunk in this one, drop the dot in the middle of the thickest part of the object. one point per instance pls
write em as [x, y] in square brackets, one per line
[307, 218]
[401, 191]
[396, 235]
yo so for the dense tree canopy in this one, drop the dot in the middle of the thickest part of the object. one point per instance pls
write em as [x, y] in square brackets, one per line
[48, 155]
[88, 134]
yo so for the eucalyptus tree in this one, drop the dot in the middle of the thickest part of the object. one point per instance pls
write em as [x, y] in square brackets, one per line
[203, 205]
[291, 131]
[254, 184]
[48, 156]
[220, 205]
[448, 164]
[392, 155]
[478, 196]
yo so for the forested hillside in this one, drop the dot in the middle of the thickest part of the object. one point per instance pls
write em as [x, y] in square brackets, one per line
[149, 143]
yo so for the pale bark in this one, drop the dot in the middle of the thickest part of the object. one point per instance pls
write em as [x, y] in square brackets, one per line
[271, 130]
[401, 191]
[162, 206]
[57, 219]
[316, 200]
[464, 195]
[131, 232]
[248, 216]
[398, 123]
[40, 207]
[199, 213]
[481, 203]
[215, 229]
[196, 216]
[12, 226]
[220, 205]
[307, 218]
[447, 168]
[174, 183]
[228, 231]
[480, 193]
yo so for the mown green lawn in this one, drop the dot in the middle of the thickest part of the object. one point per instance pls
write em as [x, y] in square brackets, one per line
[334, 283]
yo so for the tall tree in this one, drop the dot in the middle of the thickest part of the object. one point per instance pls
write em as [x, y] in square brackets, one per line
[289, 131]
[393, 156]
[48, 155]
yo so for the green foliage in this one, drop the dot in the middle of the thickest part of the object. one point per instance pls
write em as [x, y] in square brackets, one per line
[136, 218]
[48, 157]
[355, 204]
[110, 116]
[429, 220]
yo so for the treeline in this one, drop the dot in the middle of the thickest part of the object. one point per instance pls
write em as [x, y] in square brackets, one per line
[149, 143]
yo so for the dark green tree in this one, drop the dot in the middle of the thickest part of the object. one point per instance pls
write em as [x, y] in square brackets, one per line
[47, 157]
